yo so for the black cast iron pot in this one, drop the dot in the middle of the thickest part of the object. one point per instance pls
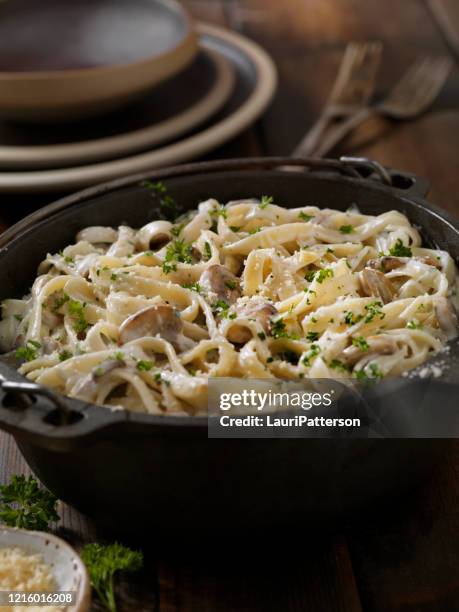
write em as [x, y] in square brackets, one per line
[165, 471]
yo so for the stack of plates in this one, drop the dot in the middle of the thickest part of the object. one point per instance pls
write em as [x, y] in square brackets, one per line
[220, 92]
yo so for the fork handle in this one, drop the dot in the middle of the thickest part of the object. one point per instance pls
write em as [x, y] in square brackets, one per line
[307, 146]
[338, 132]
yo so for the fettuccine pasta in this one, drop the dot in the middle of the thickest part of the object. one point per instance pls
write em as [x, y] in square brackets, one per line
[140, 319]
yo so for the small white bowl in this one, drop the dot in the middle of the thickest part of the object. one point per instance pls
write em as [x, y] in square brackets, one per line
[66, 566]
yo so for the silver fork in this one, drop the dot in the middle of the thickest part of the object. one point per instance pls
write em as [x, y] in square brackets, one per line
[410, 97]
[352, 90]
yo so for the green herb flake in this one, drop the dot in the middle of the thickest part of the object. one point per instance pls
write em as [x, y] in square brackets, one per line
[360, 343]
[338, 365]
[351, 319]
[304, 216]
[312, 336]
[262, 335]
[374, 310]
[414, 325]
[207, 251]
[76, 310]
[265, 201]
[346, 229]
[375, 373]
[235, 228]
[323, 274]
[193, 287]
[231, 284]
[64, 355]
[144, 365]
[311, 354]
[400, 250]
[29, 352]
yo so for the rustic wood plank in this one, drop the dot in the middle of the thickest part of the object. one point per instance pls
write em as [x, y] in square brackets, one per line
[406, 558]
[296, 575]
[307, 39]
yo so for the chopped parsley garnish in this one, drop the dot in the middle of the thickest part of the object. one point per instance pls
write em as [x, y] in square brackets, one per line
[113, 276]
[69, 260]
[61, 301]
[360, 343]
[193, 286]
[231, 284]
[76, 310]
[270, 360]
[413, 325]
[177, 251]
[221, 308]
[351, 319]
[168, 208]
[265, 201]
[262, 335]
[400, 250]
[207, 251]
[338, 365]
[309, 276]
[144, 366]
[305, 217]
[278, 330]
[29, 352]
[235, 228]
[374, 310]
[158, 377]
[346, 229]
[375, 372]
[311, 354]
[220, 211]
[119, 356]
[176, 229]
[312, 336]
[255, 230]
[18, 317]
[323, 274]
[64, 355]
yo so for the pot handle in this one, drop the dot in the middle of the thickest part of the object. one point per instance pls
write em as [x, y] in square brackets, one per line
[52, 422]
[406, 182]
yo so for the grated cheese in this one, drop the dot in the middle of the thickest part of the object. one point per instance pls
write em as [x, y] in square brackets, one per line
[20, 571]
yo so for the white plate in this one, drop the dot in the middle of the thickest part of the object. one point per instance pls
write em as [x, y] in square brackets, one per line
[256, 73]
[146, 124]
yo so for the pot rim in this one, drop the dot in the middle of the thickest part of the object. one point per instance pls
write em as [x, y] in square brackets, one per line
[356, 171]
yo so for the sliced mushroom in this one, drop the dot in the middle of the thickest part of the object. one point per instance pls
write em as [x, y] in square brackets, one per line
[98, 235]
[374, 283]
[386, 264]
[87, 387]
[258, 309]
[218, 280]
[154, 235]
[160, 319]
[389, 263]
[377, 345]
[430, 261]
[446, 317]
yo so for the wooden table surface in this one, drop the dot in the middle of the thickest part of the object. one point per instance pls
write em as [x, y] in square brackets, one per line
[406, 556]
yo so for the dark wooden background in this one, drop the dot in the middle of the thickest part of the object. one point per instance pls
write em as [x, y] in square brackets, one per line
[403, 557]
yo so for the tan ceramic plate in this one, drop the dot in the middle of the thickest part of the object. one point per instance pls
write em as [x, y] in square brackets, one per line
[61, 59]
[67, 568]
[168, 111]
[256, 80]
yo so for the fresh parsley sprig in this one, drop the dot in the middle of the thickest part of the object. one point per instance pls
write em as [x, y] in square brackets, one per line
[23, 504]
[103, 562]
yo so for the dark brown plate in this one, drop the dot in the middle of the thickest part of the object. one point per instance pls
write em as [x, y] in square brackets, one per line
[62, 58]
